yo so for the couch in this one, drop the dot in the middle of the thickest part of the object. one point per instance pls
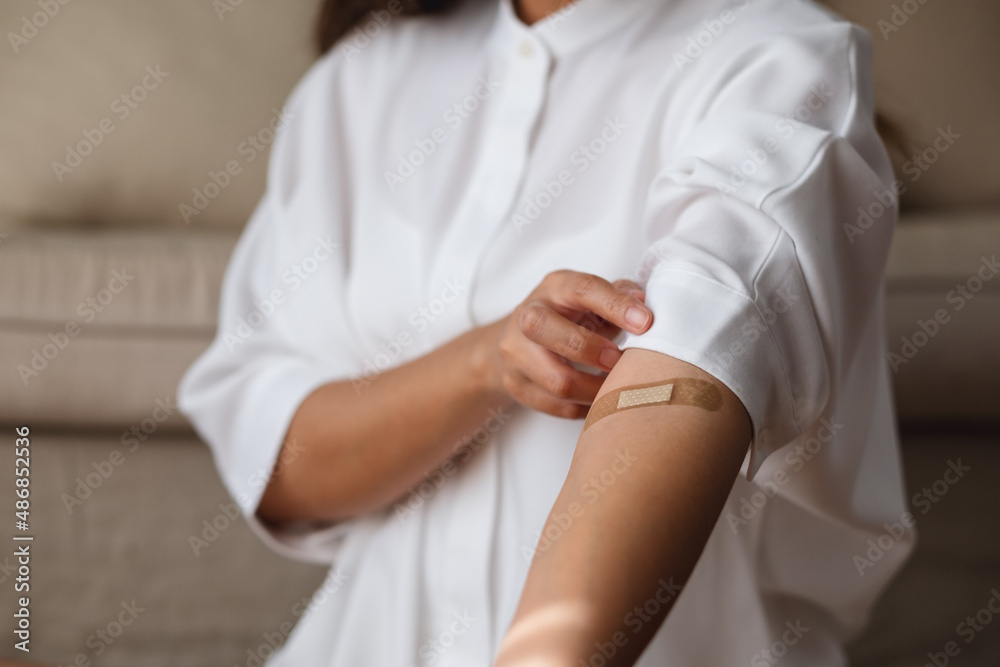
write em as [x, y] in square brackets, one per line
[117, 217]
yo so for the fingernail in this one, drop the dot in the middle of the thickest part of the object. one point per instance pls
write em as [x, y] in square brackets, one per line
[637, 317]
[609, 357]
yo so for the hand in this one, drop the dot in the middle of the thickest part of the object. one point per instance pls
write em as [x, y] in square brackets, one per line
[569, 317]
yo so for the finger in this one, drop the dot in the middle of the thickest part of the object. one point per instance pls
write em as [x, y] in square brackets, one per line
[577, 291]
[532, 396]
[632, 287]
[622, 284]
[542, 325]
[598, 325]
[558, 378]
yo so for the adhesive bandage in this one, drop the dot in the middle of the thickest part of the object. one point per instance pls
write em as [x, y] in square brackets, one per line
[675, 391]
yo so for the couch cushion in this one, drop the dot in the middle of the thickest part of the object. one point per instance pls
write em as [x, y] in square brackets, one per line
[135, 350]
[155, 527]
[947, 368]
[97, 327]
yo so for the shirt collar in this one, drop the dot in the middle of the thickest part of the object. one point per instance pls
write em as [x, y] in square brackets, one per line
[577, 25]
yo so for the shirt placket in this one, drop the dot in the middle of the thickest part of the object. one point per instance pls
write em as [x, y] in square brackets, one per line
[497, 178]
[494, 188]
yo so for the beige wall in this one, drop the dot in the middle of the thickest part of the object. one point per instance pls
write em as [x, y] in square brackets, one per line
[226, 74]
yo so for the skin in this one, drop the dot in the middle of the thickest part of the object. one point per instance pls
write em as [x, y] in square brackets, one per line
[531, 11]
[351, 452]
[650, 523]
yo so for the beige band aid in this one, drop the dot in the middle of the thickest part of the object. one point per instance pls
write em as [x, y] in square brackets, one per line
[675, 391]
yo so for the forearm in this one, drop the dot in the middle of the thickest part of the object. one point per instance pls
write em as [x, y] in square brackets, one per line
[672, 467]
[353, 450]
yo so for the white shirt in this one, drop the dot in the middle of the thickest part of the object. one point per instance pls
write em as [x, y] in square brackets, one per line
[429, 177]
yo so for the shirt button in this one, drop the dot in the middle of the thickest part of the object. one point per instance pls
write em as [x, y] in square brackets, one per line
[527, 49]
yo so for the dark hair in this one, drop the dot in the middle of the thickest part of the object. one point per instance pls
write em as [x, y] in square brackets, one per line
[338, 17]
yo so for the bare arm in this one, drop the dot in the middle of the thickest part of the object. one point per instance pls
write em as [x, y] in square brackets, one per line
[650, 524]
[357, 451]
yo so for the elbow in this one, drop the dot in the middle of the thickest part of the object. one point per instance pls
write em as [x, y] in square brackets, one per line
[290, 497]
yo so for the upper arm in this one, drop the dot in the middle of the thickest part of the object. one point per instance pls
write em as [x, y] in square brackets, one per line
[643, 493]
[640, 366]
[687, 456]
[754, 270]
[705, 442]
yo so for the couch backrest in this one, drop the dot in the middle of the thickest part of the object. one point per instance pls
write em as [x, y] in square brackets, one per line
[200, 78]
[116, 112]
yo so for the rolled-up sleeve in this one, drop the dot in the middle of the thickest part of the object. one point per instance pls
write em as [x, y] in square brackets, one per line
[755, 267]
[283, 329]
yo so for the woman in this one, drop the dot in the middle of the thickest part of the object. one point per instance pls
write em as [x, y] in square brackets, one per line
[464, 213]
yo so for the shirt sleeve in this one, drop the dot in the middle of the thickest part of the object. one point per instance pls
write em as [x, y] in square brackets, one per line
[760, 265]
[283, 328]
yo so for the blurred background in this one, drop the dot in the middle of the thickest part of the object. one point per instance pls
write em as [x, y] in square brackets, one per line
[134, 137]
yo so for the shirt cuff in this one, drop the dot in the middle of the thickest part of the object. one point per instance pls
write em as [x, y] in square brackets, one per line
[711, 326]
[250, 466]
